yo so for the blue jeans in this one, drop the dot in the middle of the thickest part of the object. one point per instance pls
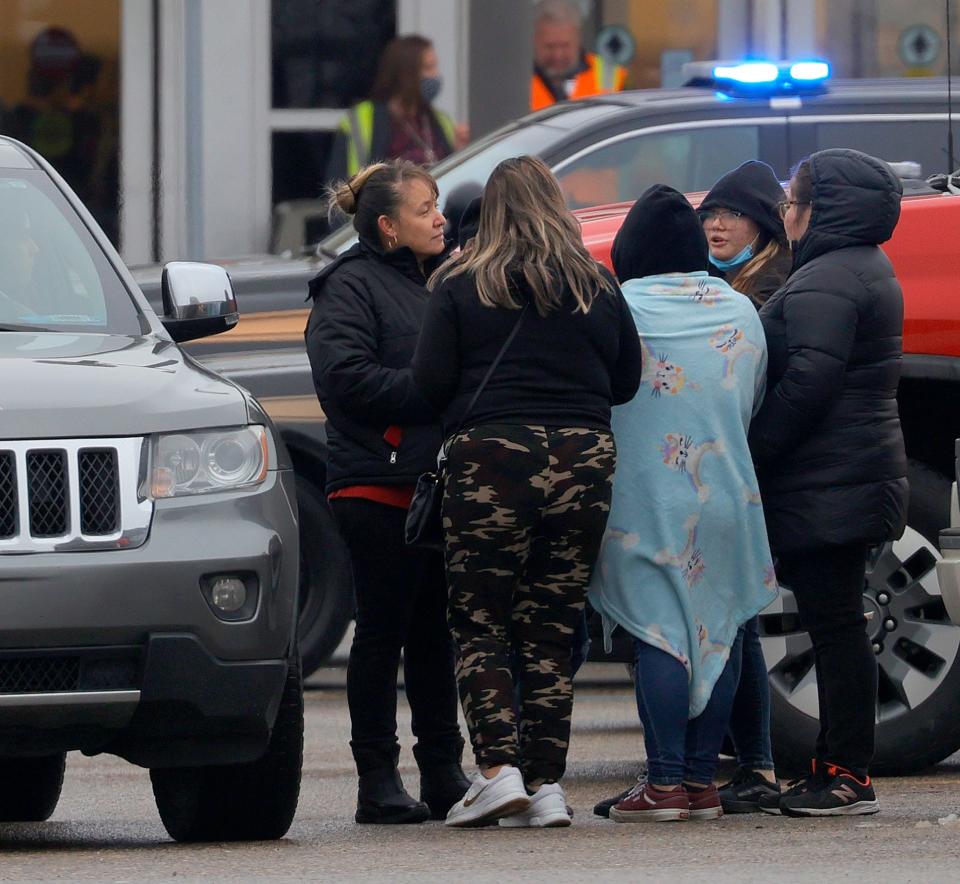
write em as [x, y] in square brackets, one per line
[681, 749]
[750, 718]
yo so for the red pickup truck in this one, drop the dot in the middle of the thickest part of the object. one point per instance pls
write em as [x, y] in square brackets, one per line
[917, 646]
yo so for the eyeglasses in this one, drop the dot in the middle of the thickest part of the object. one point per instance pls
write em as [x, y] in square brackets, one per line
[784, 206]
[725, 217]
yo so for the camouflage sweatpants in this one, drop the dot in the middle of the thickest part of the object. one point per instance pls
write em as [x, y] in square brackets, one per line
[524, 512]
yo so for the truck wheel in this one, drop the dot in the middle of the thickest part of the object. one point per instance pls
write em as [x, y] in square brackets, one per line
[918, 653]
[31, 787]
[239, 802]
[326, 579]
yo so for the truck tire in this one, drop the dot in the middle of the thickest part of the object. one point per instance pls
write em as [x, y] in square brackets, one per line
[326, 579]
[239, 802]
[31, 787]
[918, 657]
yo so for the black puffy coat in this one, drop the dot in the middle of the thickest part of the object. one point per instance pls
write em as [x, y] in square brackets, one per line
[827, 439]
[368, 306]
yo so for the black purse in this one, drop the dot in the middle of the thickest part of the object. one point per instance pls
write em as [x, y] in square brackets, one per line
[424, 525]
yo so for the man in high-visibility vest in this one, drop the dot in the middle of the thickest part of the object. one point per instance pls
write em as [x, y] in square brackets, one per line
[561, 69]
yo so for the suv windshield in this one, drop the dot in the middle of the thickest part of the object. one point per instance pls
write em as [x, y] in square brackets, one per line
[53, 275]
[464, 173]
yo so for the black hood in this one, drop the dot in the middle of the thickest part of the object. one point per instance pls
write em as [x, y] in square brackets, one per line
[856, 202]
[661, 234]
[751, 188]
[469, 222]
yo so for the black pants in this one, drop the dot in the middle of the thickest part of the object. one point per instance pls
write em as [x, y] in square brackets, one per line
[828, 585]
[401, 600]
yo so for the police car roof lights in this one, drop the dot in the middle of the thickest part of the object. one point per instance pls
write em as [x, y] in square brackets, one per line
[747, 72]
[759, 78]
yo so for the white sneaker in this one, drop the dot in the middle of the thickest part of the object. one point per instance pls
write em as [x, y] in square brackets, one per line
[489, 799]
[547, 810]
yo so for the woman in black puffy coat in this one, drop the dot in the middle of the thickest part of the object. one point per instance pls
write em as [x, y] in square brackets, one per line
[829, 448]
[368, 306]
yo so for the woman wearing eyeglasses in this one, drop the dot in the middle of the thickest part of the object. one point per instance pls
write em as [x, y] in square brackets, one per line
[748, 248]
[741, 218]
[829, 449]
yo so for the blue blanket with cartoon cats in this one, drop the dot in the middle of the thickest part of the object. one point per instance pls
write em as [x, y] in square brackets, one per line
[685, 559]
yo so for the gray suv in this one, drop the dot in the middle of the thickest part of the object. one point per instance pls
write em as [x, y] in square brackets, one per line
[148, 534]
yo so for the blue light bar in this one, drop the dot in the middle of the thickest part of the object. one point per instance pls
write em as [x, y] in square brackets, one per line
[807, 71]
[747, 72]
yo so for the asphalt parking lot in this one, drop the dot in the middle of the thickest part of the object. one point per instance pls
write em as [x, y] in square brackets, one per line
[106, 826]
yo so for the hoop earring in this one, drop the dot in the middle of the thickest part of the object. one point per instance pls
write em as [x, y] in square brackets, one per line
[392, 244]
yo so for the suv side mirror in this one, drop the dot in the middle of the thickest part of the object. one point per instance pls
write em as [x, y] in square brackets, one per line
[198, 300]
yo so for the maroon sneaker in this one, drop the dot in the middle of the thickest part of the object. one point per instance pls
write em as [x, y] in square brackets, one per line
[705, 803]
[647, 803]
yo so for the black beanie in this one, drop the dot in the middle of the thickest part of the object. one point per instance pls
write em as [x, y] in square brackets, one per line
[754, 190]
[469, 222]
[661, 234]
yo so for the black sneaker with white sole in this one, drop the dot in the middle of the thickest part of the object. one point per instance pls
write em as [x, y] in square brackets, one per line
[840, 793]
[773, 802]
[743, 793]
[602, 808]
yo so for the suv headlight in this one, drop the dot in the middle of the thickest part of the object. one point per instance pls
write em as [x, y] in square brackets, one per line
[212, 460]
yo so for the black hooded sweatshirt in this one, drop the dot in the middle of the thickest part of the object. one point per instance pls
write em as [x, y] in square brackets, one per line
[368, 306]
[753, 189]
[827, 439]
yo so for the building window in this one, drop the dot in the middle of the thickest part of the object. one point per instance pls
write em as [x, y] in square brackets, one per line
[324, 58]
[325, 54]
[59, 92]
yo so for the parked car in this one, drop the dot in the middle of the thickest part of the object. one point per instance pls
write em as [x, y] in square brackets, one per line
[687, 137]
[148, 534]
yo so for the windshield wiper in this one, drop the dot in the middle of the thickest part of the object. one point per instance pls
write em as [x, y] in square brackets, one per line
[22, 327]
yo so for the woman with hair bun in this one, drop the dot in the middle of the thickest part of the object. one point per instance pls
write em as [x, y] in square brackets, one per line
[382, 433]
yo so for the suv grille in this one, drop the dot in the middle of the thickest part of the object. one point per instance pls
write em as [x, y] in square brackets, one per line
[39, 675]
[99, 491]
[66, 495]
[46, 672]
[47, 491]
[8, 495]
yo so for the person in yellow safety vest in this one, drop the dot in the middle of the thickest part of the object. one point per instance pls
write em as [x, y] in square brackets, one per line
[562, 70]
[398, 121]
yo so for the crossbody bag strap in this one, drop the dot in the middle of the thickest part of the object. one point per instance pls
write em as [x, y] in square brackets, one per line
[490, 371]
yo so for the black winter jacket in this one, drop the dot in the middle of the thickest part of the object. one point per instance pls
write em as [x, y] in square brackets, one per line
[367, 309]
[827, 439]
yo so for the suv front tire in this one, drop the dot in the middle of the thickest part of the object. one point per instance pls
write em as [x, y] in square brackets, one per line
[30, 787]
[240, 802]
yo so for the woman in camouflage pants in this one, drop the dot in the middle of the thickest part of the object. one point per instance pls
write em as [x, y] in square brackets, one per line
[529, 479]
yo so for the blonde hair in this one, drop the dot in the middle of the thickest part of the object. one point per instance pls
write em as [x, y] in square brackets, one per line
[745, 281]
[526, 229]
[377, 189]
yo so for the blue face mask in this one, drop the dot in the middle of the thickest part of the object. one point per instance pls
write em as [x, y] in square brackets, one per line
[430, 88]
[744, 255]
